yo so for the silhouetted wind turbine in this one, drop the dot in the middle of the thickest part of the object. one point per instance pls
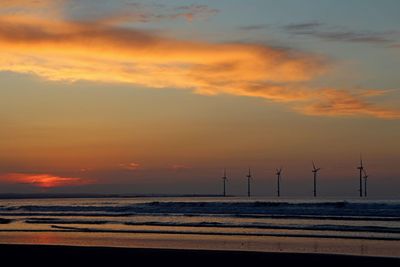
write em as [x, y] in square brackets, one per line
[365, 183]
[315, 171]
[278, 181]
[224, 178]
[248, 183]
[361, 168]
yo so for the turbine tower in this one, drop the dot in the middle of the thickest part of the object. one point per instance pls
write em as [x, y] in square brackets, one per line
[224, 178]
[365, 183]
[248, 183]
[361, 168]
[315, 171]
[278, 181]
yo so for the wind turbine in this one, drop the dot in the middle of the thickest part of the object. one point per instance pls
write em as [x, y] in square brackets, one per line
[361, 168]
[315, 171]
[248, 183]
[224, 178]
[278, 180]
[365, 183]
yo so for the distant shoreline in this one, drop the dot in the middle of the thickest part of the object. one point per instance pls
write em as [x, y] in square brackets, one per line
[47, 196]
[95, 196]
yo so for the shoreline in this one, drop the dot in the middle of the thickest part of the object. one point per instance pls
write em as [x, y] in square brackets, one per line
[65, 229]
[51, 254]
[370, 248]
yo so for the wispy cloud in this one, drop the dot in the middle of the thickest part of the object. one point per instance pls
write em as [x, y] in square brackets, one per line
[254, 27]
[26, 3]
[179, 167]
[343, 103]
[340, 34]
[62, 50]
[132, 166]
[305, 27]
[142, 13]
[191, 12]
[39, 8]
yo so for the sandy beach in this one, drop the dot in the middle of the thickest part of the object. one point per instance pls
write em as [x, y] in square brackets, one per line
[47, 255]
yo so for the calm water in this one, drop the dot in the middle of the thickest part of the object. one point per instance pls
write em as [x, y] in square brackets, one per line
[259, 222]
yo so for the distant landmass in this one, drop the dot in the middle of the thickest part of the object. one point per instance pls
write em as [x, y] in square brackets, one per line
[85, 195]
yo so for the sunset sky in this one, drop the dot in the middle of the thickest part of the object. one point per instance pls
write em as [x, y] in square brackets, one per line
[158, 97]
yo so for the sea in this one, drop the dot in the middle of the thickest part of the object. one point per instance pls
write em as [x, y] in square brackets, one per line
[347, 226]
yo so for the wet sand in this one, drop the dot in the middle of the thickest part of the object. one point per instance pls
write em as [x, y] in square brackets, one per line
[356, 247]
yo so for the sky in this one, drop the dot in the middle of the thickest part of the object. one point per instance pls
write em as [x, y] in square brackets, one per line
[158, 97]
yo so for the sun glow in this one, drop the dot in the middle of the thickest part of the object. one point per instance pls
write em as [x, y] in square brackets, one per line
[42, 180]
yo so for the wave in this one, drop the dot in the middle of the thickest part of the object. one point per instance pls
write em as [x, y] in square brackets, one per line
[5, 221]
[205, 224]
[342, 228]
[246, 216]
[333, 209]
[55, 220]
[94, 230]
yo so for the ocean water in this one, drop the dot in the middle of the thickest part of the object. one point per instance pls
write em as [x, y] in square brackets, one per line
[205, 218]
[368, 219]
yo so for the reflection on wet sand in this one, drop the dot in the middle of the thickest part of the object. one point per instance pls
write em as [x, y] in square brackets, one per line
[205, 242]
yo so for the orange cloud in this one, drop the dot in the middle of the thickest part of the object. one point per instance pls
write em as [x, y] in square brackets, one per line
[178, 167]
[339, 102]
[38, 8]
[133, 166]
[69, 51]
[25, 3]
[42, 180]
[87, 51]
[31, 5]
